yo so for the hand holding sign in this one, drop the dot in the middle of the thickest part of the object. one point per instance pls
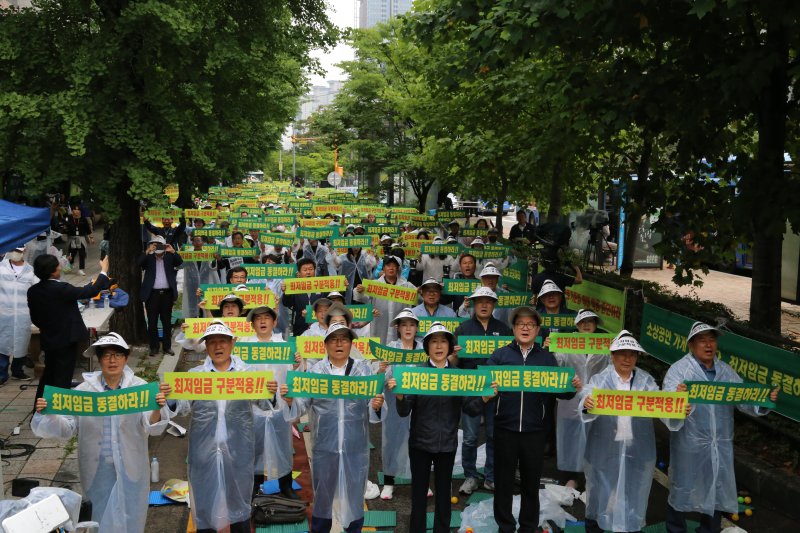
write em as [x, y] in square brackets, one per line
[377, 402]
[588, 403]
[284, 388]
[577, 383]
[494, 386]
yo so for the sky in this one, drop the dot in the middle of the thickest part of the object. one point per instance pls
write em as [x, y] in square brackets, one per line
[343, 14]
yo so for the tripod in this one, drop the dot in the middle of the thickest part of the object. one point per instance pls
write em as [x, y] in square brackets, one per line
[598, 244]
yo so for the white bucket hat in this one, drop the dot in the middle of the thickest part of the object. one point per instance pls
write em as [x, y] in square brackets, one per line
[437, 327]
[583, 314]
[338, 327]
[217, 327]
[431, 281]
[111, 339]
[701, 327]
[477, 241]
[625, 341]
[483, 292]
[490, 270]
[406, 313]
[548, 287]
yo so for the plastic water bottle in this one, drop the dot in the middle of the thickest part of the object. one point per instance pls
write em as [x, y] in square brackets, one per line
[92, 303]
[105, 301]
[154, 473]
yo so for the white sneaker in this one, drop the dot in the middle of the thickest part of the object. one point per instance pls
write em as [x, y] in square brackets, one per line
[372, 491]
[81, 272]
[387, 492]
[430, 493]
[469, 486]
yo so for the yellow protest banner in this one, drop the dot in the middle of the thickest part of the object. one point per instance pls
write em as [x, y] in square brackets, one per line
[218, 385]
[648, 404]
[313, 347]
[393, 293]
[252, 298]
[241, 327]
[315, 284]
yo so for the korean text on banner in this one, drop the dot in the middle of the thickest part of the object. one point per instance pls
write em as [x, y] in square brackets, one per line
[218, 385]
[533, 378]
[361, 313]
[266, 353]
[648, 404]
[581, 343]
[442, 382]
[315, 284]
[481, 347]
[393, 293]
[241, 327]
[729, 393]
[510, 300]
[252, 298]
[559, 321]
[664, 336]
[106, 403]
[607, 302]
[395, 356]
[450, 323]
[463, 287]
[309, 385]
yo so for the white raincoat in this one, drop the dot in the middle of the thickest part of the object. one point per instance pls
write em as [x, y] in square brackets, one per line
[221, 455]
[194, 275]
[15, 318]
[115, 476]
[701, 473]
[340, 461]
[570, 430]
[395, 428]
[273, 433]
[620, 459]
[388, 310]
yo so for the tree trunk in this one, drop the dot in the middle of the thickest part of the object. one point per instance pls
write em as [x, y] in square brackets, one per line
[765, 187]
[635, 203]
[502, 194]
[125, 244]
[556, 192]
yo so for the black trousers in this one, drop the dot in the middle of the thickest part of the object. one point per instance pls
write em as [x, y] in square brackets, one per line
[81, 253]
[159, 306]
[526, 450]
[238, 527]
[420, 480]
[59, 365]
[676, 522]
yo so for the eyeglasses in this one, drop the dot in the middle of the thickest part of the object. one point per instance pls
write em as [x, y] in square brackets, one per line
[525, 325]
[113, 356]
[338, 340]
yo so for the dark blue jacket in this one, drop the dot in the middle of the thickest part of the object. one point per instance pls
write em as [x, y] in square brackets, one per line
[147, 262]
[524, 412]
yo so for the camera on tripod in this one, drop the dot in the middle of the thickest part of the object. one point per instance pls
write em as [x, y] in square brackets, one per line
[593, 220]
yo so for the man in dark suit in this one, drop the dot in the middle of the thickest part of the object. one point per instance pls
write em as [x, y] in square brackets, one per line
[160, 264]
[54, 311]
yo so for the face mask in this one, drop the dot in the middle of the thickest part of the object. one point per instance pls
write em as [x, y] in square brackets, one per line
[160, 252]
[15, 256]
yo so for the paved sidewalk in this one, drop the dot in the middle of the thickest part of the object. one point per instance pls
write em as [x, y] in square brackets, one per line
[729, 289]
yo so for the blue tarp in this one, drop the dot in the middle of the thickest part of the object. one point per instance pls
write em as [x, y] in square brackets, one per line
[20, 224]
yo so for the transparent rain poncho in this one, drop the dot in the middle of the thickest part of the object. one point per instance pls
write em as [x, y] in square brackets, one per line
[620, 459]
[340, 457]
[115, 474]
[221, 455]
[388, 310]
[194, 275]
[570, 430]
[701, 473]
[15, 317]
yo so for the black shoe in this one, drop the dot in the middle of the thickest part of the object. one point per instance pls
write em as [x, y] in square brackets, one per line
[153, 354]
[169, 352]
[28, 362]
[291, 494]
[22, 376]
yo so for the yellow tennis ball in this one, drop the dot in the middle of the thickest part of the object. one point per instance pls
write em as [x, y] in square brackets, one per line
[735, 517]
[748, 512]
[748, 500]
[454, 499]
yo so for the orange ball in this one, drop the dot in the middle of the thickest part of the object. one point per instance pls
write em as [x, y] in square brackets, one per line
[748, 500]
[454, 499]
[748, 512]
[735, 517]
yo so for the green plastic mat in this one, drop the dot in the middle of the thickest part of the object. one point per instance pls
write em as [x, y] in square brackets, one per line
[455, 520]
[397, 480]
[299, 527]
[661, 527]
[478, 497]
[380, 519]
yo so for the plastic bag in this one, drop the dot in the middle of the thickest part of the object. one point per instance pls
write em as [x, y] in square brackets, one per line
[480, 517]
[70, 499]
[118, 298]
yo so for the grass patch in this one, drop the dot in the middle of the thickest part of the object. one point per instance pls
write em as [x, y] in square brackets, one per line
[72, 443]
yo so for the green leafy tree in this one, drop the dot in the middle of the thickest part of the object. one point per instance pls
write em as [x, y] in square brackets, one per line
[126, 96]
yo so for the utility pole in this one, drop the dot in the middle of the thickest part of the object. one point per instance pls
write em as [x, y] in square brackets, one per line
[294, 156]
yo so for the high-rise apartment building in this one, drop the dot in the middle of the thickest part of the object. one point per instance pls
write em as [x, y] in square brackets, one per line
[372, 12]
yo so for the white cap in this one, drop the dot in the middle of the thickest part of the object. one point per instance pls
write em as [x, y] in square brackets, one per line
[431, 281]
[476, 241]
[483, 292]
[231, 298]
[452, 240]
[337, 327]
[548, 286]
[489, 270]
[583, 314]
[264, 309]
[241, 287]
[385, 237]
[438, 240]
[111, 339]
[335, 294]
[158, 239]
[701, 327]
[217, 327]
[437, 327]
[625, 341]
[405, 313]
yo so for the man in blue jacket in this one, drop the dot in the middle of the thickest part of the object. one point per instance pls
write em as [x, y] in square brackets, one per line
[160, 264]
[522, 421]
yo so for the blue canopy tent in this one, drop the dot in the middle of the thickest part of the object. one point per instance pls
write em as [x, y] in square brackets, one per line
[20, 224]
